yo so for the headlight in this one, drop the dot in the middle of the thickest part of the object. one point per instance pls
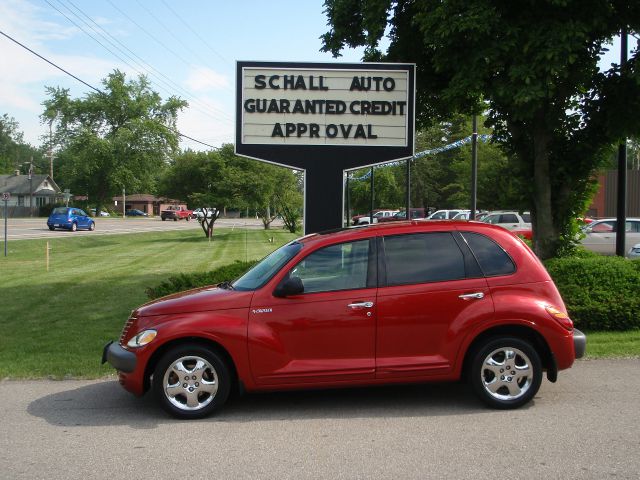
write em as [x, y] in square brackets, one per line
[141, 339]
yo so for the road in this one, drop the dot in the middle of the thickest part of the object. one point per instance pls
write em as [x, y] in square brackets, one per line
[29, 228]
[586, 426]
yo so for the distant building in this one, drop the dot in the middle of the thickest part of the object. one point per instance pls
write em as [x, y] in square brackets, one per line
[28, 193]
[605, 202]
[149, 204]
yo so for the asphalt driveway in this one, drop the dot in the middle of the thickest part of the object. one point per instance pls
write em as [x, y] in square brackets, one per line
[586, 426]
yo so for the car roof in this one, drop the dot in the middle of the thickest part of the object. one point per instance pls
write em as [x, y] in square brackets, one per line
[394, 228]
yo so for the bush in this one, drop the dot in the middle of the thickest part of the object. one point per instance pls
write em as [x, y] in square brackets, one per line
[601, 293]
[187, 281]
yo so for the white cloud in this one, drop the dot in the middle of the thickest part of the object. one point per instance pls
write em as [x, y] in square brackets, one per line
[206, 127]
[203, 79]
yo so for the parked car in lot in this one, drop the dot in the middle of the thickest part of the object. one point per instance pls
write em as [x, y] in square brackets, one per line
[175, 213]
[511, 220]
[446, 214]
[366, 219]
[600, 235]
[634, 252]
[103, 213]
[136, 213]
[198, 213]
[466, 214]
[416, 213]
[399, 302]
[70, 218]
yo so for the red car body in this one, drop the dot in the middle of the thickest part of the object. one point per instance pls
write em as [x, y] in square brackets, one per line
[413, 332]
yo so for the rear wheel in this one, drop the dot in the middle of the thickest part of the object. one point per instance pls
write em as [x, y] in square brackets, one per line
[191, 381]
[51, 227]
[506, 372]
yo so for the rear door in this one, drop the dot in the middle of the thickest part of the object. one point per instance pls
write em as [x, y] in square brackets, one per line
[430, 290]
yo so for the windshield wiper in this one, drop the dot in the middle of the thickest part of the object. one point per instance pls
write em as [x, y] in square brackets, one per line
[225, 285]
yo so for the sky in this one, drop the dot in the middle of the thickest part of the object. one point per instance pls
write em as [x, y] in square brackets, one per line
[186, 48]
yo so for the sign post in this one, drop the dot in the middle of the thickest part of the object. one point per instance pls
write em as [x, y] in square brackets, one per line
[5, 198]
[325, 118]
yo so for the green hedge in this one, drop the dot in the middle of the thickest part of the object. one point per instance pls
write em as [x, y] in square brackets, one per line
[186, 281]
[601, 293]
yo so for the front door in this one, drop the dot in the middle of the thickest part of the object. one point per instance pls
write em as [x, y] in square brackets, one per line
[325, 334]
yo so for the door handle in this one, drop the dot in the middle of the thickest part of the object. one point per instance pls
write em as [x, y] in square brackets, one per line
[470, 296]
[360, 305]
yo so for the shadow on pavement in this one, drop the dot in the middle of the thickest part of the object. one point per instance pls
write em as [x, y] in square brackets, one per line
[107, 404]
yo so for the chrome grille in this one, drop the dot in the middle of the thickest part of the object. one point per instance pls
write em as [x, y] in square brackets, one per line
[126, 328]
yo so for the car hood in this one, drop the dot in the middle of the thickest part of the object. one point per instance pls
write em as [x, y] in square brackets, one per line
[197, 300]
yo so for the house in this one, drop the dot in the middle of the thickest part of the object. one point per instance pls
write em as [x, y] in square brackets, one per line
[142, 201]
[29, 193]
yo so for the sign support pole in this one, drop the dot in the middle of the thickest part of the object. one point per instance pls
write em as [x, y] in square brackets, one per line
[6, 201]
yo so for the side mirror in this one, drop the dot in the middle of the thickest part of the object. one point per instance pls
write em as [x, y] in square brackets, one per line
[291, 286]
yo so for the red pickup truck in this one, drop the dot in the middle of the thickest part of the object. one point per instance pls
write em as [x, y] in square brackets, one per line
[175, 213]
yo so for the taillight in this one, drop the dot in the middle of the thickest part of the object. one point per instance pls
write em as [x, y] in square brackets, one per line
[560, 317]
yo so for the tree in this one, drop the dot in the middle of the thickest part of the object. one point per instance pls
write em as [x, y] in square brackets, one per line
[13, 149]
[117, 139]
[534, 67]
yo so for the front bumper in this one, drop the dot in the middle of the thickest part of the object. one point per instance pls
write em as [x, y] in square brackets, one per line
[119, 358]
[579, 343]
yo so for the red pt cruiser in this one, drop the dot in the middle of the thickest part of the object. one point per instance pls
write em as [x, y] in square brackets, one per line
[395, 303]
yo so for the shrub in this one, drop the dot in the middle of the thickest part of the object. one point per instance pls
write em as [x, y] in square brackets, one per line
[187, 281]
[601, 293]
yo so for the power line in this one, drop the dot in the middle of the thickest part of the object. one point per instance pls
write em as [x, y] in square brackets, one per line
[85, 83]
[142, 64]
[195, 32]
[49, 61]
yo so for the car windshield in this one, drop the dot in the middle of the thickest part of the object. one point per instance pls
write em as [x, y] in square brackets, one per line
[267, 267]
[59, 211]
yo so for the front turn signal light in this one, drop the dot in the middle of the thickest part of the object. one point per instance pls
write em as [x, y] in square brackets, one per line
[559, 316]
[141, 339]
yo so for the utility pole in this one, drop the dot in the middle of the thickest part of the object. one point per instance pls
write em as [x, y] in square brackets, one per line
[50, 153]
[31, 187]
[621, 218]
[124, 201]
[474, 167]
[373, 188]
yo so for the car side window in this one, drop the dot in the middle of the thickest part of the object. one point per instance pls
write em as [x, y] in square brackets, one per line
[509, 218]
[492, 258]
[604, 227]
[422, 258]
[526, 217]
[336, 267]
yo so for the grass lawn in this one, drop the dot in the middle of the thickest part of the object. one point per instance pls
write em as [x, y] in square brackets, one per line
[56, 323]
[613, 344]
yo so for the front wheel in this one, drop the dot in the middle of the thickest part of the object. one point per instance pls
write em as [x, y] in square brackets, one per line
[191, 381]
[74, 226]
[506, 372]
[92, 226]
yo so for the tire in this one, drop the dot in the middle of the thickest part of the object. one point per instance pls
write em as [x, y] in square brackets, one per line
[197, 392]
[92, 226]
[175, 219]
[188, 218]
[51, 227]
[74, 226]
[163, 218]
[501, 387]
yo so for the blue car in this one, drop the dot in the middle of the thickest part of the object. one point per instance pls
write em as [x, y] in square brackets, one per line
[70, 218]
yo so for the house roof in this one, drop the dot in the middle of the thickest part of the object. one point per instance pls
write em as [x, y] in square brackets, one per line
[21, 184]
[143, 197]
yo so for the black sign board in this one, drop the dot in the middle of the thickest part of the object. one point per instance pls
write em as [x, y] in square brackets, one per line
[324, 118]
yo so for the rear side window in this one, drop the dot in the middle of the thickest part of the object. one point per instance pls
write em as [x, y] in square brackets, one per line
[509, 218]
[422, 258]
[492, 258]
[526, 217]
